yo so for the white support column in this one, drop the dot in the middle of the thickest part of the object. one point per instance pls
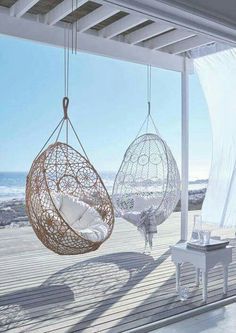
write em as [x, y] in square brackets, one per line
[185, 151]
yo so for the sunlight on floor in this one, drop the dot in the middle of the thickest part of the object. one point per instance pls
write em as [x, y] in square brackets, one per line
[215, 321]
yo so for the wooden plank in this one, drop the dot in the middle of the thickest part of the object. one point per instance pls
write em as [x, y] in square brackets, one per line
[168, 38]
[187, 44]
[104, 291]
[96, 16]
[20, 7]
[124, 318]
[121, 25]
[91, 43]
[147, 32]
[62, 10]
[159, 301]
[160, 290]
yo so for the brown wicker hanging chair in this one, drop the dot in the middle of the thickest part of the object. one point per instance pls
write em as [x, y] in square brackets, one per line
[66, 201]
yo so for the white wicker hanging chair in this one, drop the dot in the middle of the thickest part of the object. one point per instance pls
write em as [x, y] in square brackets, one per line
[146, 189]
[147, 185]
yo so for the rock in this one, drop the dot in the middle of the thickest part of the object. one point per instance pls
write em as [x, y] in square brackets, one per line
[13, 211]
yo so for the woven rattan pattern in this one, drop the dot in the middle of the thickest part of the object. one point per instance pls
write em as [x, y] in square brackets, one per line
[148, 170]
[61, 169]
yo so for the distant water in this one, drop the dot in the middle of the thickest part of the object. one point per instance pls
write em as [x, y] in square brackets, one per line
[12, 184]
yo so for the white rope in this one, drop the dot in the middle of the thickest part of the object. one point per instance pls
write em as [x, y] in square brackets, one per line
[149, 117]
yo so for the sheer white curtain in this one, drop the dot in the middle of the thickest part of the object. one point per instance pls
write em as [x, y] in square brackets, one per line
[217, 74]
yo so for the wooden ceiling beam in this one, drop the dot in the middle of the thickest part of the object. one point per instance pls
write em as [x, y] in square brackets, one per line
[149, 31]
[168, 38]
[96, 16]
[187, 44]
[61, 11]
[122, 25]
[20, 7]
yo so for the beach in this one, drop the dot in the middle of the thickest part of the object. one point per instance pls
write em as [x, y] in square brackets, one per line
[12, 197]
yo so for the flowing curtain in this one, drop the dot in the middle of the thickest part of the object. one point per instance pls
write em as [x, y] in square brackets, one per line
[217, 74]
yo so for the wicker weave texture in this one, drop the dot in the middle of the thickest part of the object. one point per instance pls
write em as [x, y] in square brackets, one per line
[61, 169]
[148, 171]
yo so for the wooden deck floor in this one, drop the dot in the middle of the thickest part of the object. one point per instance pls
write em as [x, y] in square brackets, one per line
[116, 289]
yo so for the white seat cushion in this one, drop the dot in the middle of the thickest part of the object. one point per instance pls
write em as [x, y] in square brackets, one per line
[82, 218]
[72, 209]
[96, 233]
[57, 200]
[143, 202]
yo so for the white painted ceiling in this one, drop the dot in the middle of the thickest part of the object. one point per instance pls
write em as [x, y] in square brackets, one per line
[223, 11]
[159, 32]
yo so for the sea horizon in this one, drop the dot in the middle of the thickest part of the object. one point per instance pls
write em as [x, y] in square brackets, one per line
[12, 183]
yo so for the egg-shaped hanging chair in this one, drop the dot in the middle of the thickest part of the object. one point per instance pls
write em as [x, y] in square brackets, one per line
[147, 186]
[146, 189]
[66, 201]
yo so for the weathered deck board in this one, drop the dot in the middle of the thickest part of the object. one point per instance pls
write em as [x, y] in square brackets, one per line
[114, 289]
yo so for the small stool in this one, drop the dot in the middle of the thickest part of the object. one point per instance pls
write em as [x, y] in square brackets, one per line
[203, 261]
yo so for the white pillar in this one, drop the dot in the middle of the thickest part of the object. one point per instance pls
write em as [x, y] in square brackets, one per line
[185, 151]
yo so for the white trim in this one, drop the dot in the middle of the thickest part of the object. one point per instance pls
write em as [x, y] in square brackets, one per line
[20, 7]
[149, 31]
[187, 44]
[168, 38]
[182, 316]
[185, 151]
[54, 35]
[62, 10]
[156, 9]
[121, 25]
[96, 16]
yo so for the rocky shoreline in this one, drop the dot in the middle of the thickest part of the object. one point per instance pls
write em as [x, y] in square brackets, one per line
[13, 214]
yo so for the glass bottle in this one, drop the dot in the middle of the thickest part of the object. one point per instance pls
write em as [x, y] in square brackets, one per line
[197, 228]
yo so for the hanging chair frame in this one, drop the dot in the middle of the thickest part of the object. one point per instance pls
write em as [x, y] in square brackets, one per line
[124, 195]
[166, 155]
[104, 208]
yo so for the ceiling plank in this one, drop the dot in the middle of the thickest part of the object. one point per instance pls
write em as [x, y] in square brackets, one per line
[187, 44]
[168, 38]
[61, 11]
[149, 31]
[157, 9]
[96, 16]
[122, 25]
[20, 7]
[26, 28]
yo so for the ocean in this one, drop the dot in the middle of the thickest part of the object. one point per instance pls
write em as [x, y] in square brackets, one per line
[12, 184]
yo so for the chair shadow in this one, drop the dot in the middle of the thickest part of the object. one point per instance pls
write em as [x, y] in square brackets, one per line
[104, 278]
[16, 307]
[20, 297]
[137, 275]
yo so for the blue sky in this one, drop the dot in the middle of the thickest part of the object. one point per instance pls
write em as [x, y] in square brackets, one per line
[107, 106]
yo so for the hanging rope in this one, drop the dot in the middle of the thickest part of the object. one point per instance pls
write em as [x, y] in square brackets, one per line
[149, 93]
[72, 29]
[74, 26]
[65, 102]
[149, 101]
[149, 87]
[66, 74]
[66, 60]
[54, 131]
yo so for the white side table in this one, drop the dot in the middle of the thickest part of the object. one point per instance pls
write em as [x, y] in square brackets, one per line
[203, 261]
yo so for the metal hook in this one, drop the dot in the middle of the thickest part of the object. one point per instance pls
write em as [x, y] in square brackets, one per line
[149, 108]
[65, 106]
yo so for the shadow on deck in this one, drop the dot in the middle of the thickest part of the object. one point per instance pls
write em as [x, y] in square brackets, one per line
[106, 278]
